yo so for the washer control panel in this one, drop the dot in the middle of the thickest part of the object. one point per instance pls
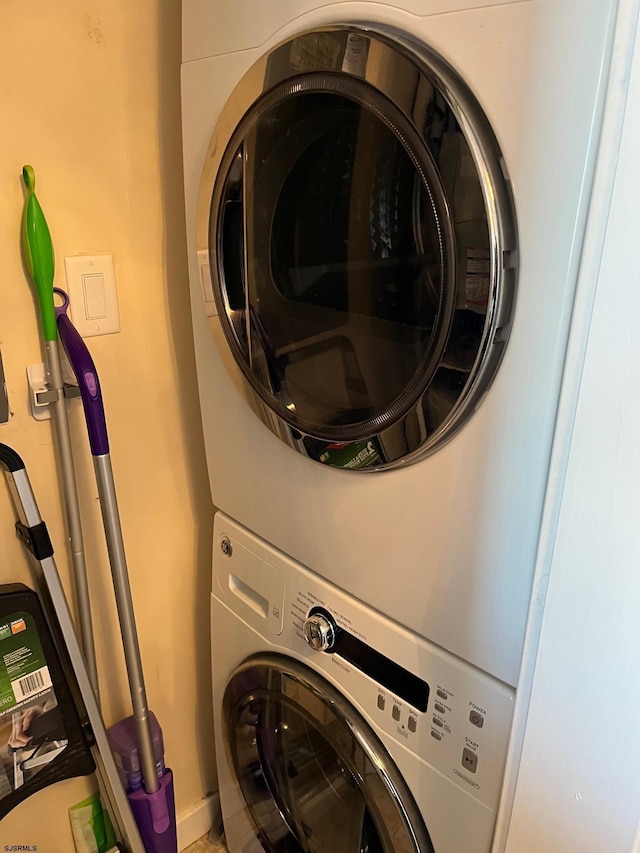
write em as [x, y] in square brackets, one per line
[447, 713]
[450, 714]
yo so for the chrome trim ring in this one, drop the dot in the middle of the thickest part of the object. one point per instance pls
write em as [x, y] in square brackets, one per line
[434, 408]
[293, 741]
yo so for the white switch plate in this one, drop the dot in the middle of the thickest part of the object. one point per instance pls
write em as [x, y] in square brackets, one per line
[204, 271]
[93, 300]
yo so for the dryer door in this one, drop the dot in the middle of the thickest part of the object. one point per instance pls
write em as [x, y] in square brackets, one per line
[312, 773]
[361, 238]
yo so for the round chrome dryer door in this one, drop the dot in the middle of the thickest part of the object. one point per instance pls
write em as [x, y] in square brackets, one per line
[313, 774]
[362, 246]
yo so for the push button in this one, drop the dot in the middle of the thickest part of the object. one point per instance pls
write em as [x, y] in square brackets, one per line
[412, 723]
[476, 719]
[436, 734]
[441, 693]
[395, 712]
[440, 708]
[381, 702]
[437, 722]
[469, 760]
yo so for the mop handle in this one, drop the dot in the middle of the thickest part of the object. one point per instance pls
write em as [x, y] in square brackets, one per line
[38, 254]
[87, 376]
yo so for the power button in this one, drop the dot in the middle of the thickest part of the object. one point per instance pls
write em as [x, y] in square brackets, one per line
[476, 719]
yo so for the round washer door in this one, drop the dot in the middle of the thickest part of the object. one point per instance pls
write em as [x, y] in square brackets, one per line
[313, 774]
[361, 238]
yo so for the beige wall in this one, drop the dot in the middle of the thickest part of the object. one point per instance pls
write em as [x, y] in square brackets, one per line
[90, 97]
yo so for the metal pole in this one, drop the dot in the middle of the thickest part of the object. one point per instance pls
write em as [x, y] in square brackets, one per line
[52, 592]
[65, 454]
[115, 545]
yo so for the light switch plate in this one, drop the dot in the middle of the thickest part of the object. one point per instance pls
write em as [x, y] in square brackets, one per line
[93, 300]
[204, 271]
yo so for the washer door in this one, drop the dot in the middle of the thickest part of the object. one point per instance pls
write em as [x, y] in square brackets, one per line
[361, 241]
[313, 774]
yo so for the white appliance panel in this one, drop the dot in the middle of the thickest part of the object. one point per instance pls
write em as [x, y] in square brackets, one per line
[457, 804]
[446, 546]
[210, 28]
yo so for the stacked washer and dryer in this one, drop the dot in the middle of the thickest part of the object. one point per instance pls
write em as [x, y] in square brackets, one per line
[384, 206]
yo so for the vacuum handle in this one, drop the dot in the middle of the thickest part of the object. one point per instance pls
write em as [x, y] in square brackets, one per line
[87, 376]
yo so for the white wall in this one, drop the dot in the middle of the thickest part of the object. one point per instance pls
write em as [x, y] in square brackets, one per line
[579, 783]
[90, 97]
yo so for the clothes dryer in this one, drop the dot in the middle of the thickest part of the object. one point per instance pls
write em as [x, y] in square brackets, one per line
[384, 208]
[336, 729]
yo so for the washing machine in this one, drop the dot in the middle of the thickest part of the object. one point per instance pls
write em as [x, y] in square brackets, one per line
[385, 206]
[338, 730]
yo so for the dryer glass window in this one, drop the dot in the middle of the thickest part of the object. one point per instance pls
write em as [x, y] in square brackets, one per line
[359, 222]
[308, 781]
[336, 257]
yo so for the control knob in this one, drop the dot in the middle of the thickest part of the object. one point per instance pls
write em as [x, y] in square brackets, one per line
[319, 632]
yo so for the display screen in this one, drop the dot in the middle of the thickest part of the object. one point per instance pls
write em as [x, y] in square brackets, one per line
[386, 672]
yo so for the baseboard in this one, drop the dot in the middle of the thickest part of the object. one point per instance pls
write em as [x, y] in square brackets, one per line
[198, 820]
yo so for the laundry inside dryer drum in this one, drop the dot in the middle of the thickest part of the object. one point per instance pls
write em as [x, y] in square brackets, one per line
[362, 248]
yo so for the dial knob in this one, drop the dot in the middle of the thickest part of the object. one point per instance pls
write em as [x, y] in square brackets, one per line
[319, 632]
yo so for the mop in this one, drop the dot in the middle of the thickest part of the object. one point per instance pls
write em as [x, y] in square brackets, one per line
[151, 796]
[38, 255]
[149, 792]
